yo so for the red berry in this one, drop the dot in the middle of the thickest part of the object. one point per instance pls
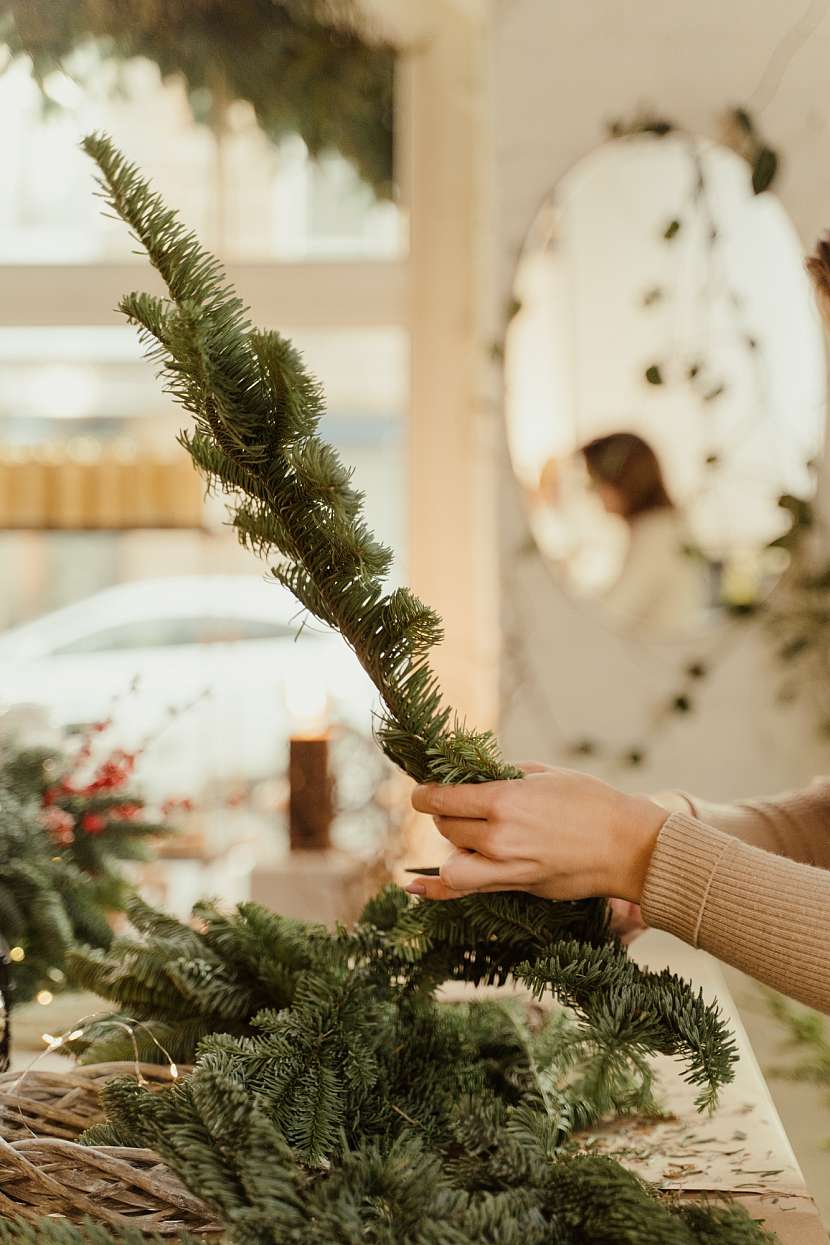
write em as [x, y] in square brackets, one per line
[59, 823]
[125, 812]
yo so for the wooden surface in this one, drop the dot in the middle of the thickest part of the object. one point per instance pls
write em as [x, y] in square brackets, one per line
[742, 1150]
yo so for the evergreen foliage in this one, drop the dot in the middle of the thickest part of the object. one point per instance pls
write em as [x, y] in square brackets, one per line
[236, 974]
[806, 1042]
[61, 850]
[307, 67]
[256, 414]
[338, 1101]
[54, 1231]
[333, 1099]
[497, 1180]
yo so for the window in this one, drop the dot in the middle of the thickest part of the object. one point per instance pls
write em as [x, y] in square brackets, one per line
[307, 244]
[247, 198]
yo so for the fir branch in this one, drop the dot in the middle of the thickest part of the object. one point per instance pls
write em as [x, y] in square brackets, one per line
[256, 413]
[54, 1230]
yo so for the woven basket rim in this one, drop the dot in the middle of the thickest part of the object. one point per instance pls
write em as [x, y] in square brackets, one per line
[48, 1174]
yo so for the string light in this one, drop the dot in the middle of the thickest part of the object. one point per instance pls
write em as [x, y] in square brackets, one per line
[16, 954]
[44, 997]
[54, 1042]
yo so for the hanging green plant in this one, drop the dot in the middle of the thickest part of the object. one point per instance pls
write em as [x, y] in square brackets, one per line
[740, 133]
[305, 66]
[738, 130]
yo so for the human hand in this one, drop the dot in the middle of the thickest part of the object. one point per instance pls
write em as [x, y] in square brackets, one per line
[556, 833]
[626, 920]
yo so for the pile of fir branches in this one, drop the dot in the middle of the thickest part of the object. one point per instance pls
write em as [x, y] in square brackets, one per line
[175, 984]
[337, 1100]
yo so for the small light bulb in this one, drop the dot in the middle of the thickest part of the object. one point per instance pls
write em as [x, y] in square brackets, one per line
[174, 1072]
[44, 997]
[17, 954]
[74, 1035]
[49, 1039]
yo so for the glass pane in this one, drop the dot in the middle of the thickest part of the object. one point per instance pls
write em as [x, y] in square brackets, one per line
[247, 198]
[83, 388]
[48, 213]
[279, 204]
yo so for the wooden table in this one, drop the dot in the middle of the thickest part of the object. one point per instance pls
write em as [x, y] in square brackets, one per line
[742, 1150]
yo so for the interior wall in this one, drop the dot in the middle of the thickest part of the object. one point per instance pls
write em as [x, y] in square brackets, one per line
[560, 72]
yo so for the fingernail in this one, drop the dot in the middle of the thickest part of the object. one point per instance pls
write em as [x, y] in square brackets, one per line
[415, 888]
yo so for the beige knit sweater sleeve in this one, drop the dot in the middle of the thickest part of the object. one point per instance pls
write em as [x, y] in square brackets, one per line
[750, 882]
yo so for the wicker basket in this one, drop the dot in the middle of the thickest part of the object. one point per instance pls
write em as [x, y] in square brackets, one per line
[117, 1186]
[63, 1104]
[44, 1171]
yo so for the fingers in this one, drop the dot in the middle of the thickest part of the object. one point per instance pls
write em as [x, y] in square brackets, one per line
[468, 799]
[464, 832]
[465, 873]
[432, 888]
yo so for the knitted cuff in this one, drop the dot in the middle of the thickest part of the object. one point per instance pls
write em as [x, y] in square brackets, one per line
[680, 873]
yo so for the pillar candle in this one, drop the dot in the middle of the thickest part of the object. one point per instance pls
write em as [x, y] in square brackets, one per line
[310, 800]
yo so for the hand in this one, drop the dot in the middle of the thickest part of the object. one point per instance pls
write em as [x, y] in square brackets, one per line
[626, 920]
[555, 833]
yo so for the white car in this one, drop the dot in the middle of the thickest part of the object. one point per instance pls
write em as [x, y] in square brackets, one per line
[231, 652]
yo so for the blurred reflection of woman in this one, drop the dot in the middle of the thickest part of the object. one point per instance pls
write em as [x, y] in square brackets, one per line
[662, 588]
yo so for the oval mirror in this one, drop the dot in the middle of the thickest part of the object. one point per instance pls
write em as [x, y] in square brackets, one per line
[665, 382]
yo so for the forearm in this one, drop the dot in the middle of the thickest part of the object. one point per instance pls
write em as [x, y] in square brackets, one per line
[757, 911]
[795, 824]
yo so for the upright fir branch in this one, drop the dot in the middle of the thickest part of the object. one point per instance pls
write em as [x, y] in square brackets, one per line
[256, 414]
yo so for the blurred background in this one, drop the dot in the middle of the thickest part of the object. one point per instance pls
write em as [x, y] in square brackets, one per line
[546, 260]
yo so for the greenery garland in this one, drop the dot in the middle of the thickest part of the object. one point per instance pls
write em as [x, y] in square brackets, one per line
[806, 1040]
[305, 66]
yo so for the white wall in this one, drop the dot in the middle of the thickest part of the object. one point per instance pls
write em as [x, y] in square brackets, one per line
[560, 71]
